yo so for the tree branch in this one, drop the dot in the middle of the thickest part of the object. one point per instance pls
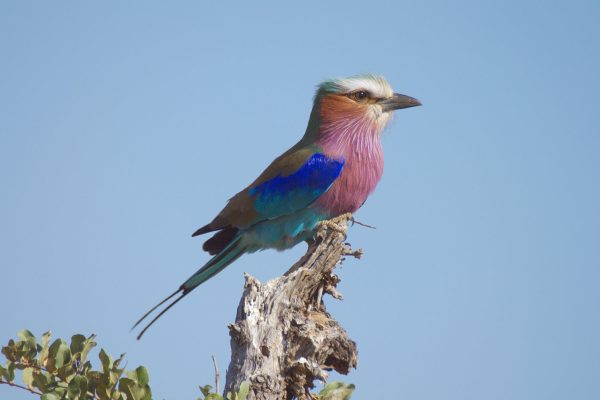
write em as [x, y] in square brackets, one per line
[283, 338]
[217, 374]
[3, 382]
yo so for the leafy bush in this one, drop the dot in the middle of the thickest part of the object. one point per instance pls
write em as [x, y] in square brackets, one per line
[62, 371]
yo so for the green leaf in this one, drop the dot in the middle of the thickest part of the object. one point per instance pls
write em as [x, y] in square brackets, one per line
[88, 345]
[10, 351]
[103, 390]
[142, 375]
[10, 369]
[3, 373]
[336, 391]
[50, 396]
[27, 377]
[77, 343]
[43, 356]
[86, 367]
[115, 375]
[26, 346]
[46, 338]
[28, 340]
[206, 389]
[77, 388]
[59, 354]
[60, 391]
[26, 336]
[95, 376]
[42, 380]
[106, 361]
[118, 361]
[244, 390]
[133, 390]
[207, 392]
[66, 372]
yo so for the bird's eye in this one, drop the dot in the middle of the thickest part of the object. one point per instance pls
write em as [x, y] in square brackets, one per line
[359, 95]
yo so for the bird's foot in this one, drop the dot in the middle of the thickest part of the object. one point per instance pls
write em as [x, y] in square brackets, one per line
[329, 224]
[338, 224]
[333, 226]
[347, 216]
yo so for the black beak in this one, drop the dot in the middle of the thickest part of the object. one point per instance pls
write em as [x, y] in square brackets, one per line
[398, 101]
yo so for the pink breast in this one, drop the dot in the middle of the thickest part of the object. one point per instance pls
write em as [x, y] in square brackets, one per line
[361, 173]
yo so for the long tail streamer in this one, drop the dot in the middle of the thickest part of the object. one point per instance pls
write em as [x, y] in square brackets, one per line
[229, 254]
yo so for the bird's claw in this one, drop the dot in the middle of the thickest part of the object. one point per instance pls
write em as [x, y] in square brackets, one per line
[333, 226]
[354, 221]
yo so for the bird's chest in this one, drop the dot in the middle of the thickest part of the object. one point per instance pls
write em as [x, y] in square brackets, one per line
[357, 181]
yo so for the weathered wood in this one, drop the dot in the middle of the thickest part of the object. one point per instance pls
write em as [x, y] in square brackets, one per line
[283, 338]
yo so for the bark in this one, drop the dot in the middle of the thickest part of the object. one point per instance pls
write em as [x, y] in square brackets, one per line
[283, 338]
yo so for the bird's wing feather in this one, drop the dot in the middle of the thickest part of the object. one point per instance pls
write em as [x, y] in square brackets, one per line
[283, 195]
[292, 181]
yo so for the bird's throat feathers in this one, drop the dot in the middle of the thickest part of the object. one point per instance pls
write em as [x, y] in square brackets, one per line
[345, 131]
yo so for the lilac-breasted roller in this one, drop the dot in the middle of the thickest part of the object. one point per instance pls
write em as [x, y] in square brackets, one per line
[329, 172]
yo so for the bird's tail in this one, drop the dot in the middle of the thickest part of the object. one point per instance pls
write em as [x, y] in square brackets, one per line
[229, 254]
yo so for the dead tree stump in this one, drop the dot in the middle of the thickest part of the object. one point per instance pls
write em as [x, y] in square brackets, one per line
[283, 338]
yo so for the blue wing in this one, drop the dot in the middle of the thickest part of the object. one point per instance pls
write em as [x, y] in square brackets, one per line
[284, 195]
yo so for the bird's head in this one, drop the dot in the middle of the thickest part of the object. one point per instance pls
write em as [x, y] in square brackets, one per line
[361, 99]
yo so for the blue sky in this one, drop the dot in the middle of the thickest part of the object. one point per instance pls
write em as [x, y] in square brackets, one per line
[124, 126]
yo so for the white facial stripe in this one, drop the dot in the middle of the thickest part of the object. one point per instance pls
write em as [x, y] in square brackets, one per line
[376, 85]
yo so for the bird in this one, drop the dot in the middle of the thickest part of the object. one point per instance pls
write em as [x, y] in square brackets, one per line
[331, 171]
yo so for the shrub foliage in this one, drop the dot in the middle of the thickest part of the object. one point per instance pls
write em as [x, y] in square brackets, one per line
[61, 370]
